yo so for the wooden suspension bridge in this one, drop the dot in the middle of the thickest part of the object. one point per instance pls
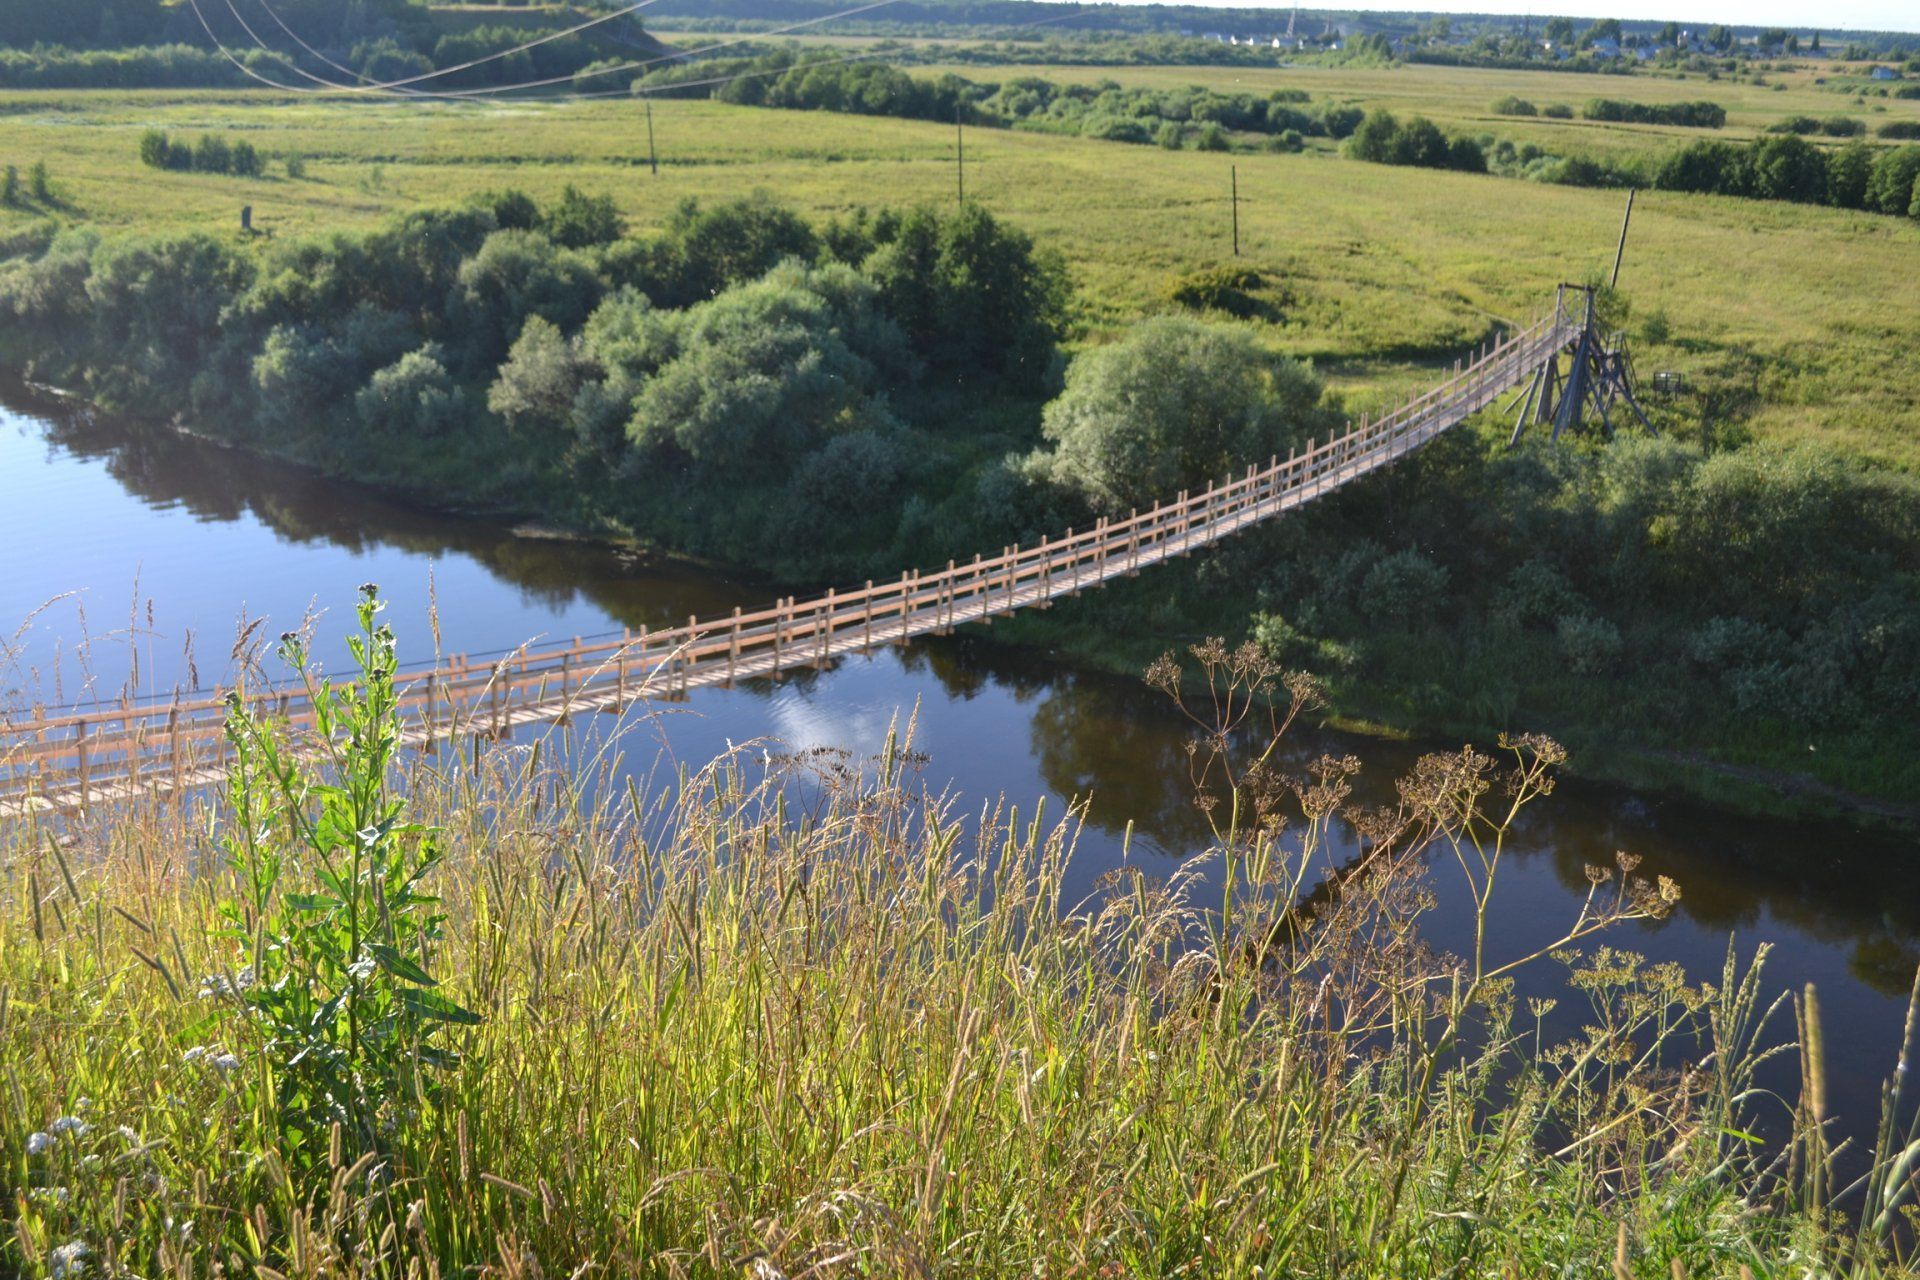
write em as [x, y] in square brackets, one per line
[72, 759]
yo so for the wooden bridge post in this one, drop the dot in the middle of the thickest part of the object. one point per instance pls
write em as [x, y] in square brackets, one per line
[866, 619]
[81, 753]
[686, 653]
[779, 633]
[825, 627]
[909, 578]
[951, 587]
[1133, 542]
[733, 646]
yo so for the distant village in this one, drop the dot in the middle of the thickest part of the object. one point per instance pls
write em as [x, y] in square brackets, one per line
[1554, 40]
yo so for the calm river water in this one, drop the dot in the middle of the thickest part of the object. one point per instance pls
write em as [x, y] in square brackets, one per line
[128, 549]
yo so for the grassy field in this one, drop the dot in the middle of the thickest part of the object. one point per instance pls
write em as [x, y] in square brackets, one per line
[1386, 272]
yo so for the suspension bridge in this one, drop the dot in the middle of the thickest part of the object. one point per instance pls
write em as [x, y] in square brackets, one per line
[54, 761]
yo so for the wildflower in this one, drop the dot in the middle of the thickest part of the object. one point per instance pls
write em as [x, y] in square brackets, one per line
[194, 1054]
[51, 1195]
[361, 969]
[226, 1064]
[69, 1259]
[69, 1124]
[38, 1143]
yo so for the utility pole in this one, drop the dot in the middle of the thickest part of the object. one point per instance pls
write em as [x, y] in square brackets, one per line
[959, 152]
[1235, 171]
[1621, 252]
[653, 157]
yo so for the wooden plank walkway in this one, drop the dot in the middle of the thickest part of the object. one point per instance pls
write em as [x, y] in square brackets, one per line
[73, 759]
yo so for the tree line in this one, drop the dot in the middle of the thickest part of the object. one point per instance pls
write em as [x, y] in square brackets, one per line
[1190, 116]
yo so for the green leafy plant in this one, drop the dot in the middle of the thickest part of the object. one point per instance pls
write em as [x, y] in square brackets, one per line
[331, 922]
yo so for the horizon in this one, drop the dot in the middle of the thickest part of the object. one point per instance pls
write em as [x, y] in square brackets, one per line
[1899, 17]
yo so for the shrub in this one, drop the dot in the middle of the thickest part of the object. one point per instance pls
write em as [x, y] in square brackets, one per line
[581, 221]
[1591, 646]
[413, 396]
[1231, 290]
[1174, 404]
[1514, 106]
[10, 193]
[1401, 586]
[39, 182]
[1557, 111]
[296, 167]
[1899, 129]
[1890, 188]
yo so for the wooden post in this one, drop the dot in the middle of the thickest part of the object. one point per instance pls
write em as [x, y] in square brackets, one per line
[246, 220]
[1620, 254]
[686, 652]
[866, 619]
[825, 613]
[1235, 171]
[779, 632]
[1133, 542]
[653, 157]
[733, 646]
[952, 584]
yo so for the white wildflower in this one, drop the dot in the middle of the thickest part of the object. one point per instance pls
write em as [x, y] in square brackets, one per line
[194, 1054]
[226, 1063]
[361, 969]
[51, 1195]
[38, 1143]
[69, 1259]
[70, 1124]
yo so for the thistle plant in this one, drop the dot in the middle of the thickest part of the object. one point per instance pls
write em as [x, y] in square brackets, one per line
[332, 927]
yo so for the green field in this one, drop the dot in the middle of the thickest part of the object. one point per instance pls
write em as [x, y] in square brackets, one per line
[1386, 271]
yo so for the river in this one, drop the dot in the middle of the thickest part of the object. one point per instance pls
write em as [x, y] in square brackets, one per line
[135, 553]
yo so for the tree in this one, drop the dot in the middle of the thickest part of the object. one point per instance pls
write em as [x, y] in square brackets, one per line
[1560, 31]
[39, 182]
[1175, 404]
[413, 396]
[541, 377]
[972, 294]
[517, 274]
[1669, 35]
[1788, 167]
[1891, 186]
[581, 221]
[1603, 29]
[767, 372]
[1849, 170]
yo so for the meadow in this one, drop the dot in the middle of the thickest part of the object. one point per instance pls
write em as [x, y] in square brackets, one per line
[1384, 274]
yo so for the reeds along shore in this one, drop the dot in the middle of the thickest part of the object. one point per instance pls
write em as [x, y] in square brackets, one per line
[376, 1016]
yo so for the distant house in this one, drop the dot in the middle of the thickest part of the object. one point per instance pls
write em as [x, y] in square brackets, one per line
[1883, 73]
[1606, 47]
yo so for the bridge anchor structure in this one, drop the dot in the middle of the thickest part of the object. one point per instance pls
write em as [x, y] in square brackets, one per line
[73, 759]
[1598, 376]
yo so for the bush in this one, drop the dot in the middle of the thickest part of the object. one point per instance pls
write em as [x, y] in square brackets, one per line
[1175, 404]
[414, 396]
[10, 193]
[1557, 111]
[1899, 129]
[581, 221]
[1694, 115]
[1591, 646]
[1401, 587]
[1231, 290]
[1514, 106]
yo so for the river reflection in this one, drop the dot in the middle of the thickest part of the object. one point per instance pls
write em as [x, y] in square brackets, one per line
[107, 517]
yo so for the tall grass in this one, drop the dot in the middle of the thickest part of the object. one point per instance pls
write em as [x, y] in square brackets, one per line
[782, 1026]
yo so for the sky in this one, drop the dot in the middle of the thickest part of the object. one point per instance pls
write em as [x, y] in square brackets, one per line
[1801, 15]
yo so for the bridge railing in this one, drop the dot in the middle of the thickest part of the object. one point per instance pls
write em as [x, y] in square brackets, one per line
[105, 750]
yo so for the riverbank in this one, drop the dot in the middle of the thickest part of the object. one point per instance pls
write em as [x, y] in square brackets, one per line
[688, 1033]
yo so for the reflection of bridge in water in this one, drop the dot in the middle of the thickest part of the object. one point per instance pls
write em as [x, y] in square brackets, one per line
[57, 760]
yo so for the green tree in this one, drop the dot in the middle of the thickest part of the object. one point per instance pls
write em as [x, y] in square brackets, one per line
[40, 182]
[10, 186]
[413, 396]
[541, 376]
[1890, 189]
[212, 155]
[581, 221]
[1175, 404]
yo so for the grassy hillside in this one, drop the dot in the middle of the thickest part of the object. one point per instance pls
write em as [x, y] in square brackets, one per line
[1381, 271]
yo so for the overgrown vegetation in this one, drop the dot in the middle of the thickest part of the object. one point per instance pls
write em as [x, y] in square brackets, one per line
[1191, 116]
[375, 1015]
